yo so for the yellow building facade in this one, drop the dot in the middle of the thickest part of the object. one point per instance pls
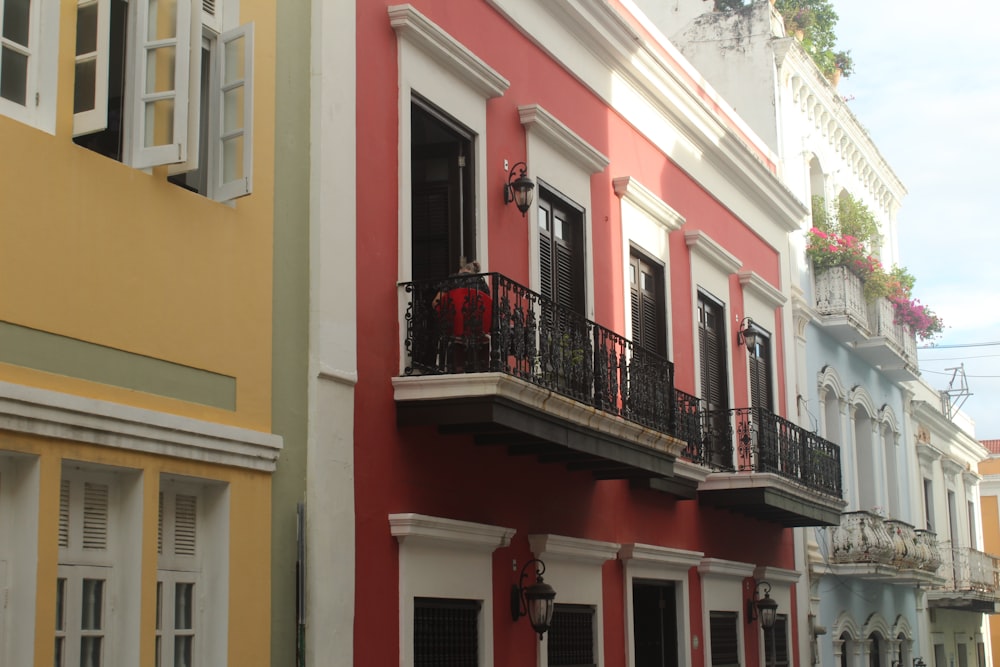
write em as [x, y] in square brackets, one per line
[136, 244]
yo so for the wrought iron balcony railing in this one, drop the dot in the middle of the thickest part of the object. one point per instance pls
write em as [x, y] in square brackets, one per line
[767, 443]
[489, 323]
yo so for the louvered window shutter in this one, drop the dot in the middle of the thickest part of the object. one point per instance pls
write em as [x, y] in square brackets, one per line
[95, 516]
[185, 525]
[712, 354]
[430, 231]
[724, 638]
[545, 252]
[64, 497]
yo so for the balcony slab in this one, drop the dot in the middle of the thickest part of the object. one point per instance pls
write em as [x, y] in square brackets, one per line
[770, 497]
[496, 408]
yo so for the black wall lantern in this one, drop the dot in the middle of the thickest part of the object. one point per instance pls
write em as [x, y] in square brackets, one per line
[749, 335]
[765, 609]
[919, 662]
[536, 601]
[518, 190]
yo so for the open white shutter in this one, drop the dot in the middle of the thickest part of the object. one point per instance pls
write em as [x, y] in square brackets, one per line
[90, 87]
[194, 130]
[234, 115]
[162, 79]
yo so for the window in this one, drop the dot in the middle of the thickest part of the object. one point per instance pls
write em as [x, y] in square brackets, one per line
[157, 84]
[971, 511]
[760, 373]
[648, 303]
[27, 70]
[724, 638]
[191, 579]
[929, 504]
[87, 536]
[654, 614]
[777, 642]
[714, 380]
[178, 574]
[560, 247]
[442, 194]
[571, 636]
[445, 632]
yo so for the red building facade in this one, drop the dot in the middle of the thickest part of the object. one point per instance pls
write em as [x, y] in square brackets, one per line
[616, 404]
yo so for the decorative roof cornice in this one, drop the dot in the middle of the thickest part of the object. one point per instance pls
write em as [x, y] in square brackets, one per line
[819, 102]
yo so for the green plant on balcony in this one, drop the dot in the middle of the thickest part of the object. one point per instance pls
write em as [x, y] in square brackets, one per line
[816, 21]
[848, 239]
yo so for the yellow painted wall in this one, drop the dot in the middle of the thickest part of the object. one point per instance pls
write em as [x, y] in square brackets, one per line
[98, 251]
[991, 542]
[249, 544]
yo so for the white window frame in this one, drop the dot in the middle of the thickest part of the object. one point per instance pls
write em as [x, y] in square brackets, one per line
[654, 563]
[39, 109]
[96, 119]
[722, 588]
[239, 186]
[19, 488]
[72, 631]
[193, 30]
[207, 569]
[647, 222]
[117, 558]
[447, 74]
[445, 558]
[564, 160]
[781, 581]
[175, 149]
[574, 567]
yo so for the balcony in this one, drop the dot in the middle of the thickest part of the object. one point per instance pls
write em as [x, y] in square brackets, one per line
[971, 581]
[867, 546]
[770, 468]
[869, 328]
[513, 369]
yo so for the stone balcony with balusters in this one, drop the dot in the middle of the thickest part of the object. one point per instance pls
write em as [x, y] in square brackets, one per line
[867, 546]
[869, 328]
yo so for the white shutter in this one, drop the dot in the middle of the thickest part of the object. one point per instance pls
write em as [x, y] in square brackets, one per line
[64, 488]
[90, 93]
[185, 524]
[95, 516]
[193, 107]
[161, 61]
[234, 114]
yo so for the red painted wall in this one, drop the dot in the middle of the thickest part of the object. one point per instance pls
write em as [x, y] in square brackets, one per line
[420, 470]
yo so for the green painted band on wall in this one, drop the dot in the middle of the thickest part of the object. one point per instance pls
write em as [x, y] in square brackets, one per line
[52, 353]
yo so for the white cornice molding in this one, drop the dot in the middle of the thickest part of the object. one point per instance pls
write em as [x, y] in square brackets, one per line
[725, 568]
[631, 190]
[444, 49]
[770, 294]
[703, 244]
[779, 575]
[818, 100]
[931, 416]
[564, 140]
[699, 141]
[409, 527]
[52, 414]
[546, 546]
[927, 454]
[660, 556]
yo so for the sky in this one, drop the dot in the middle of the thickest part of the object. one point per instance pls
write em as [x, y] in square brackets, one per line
[926, 86]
